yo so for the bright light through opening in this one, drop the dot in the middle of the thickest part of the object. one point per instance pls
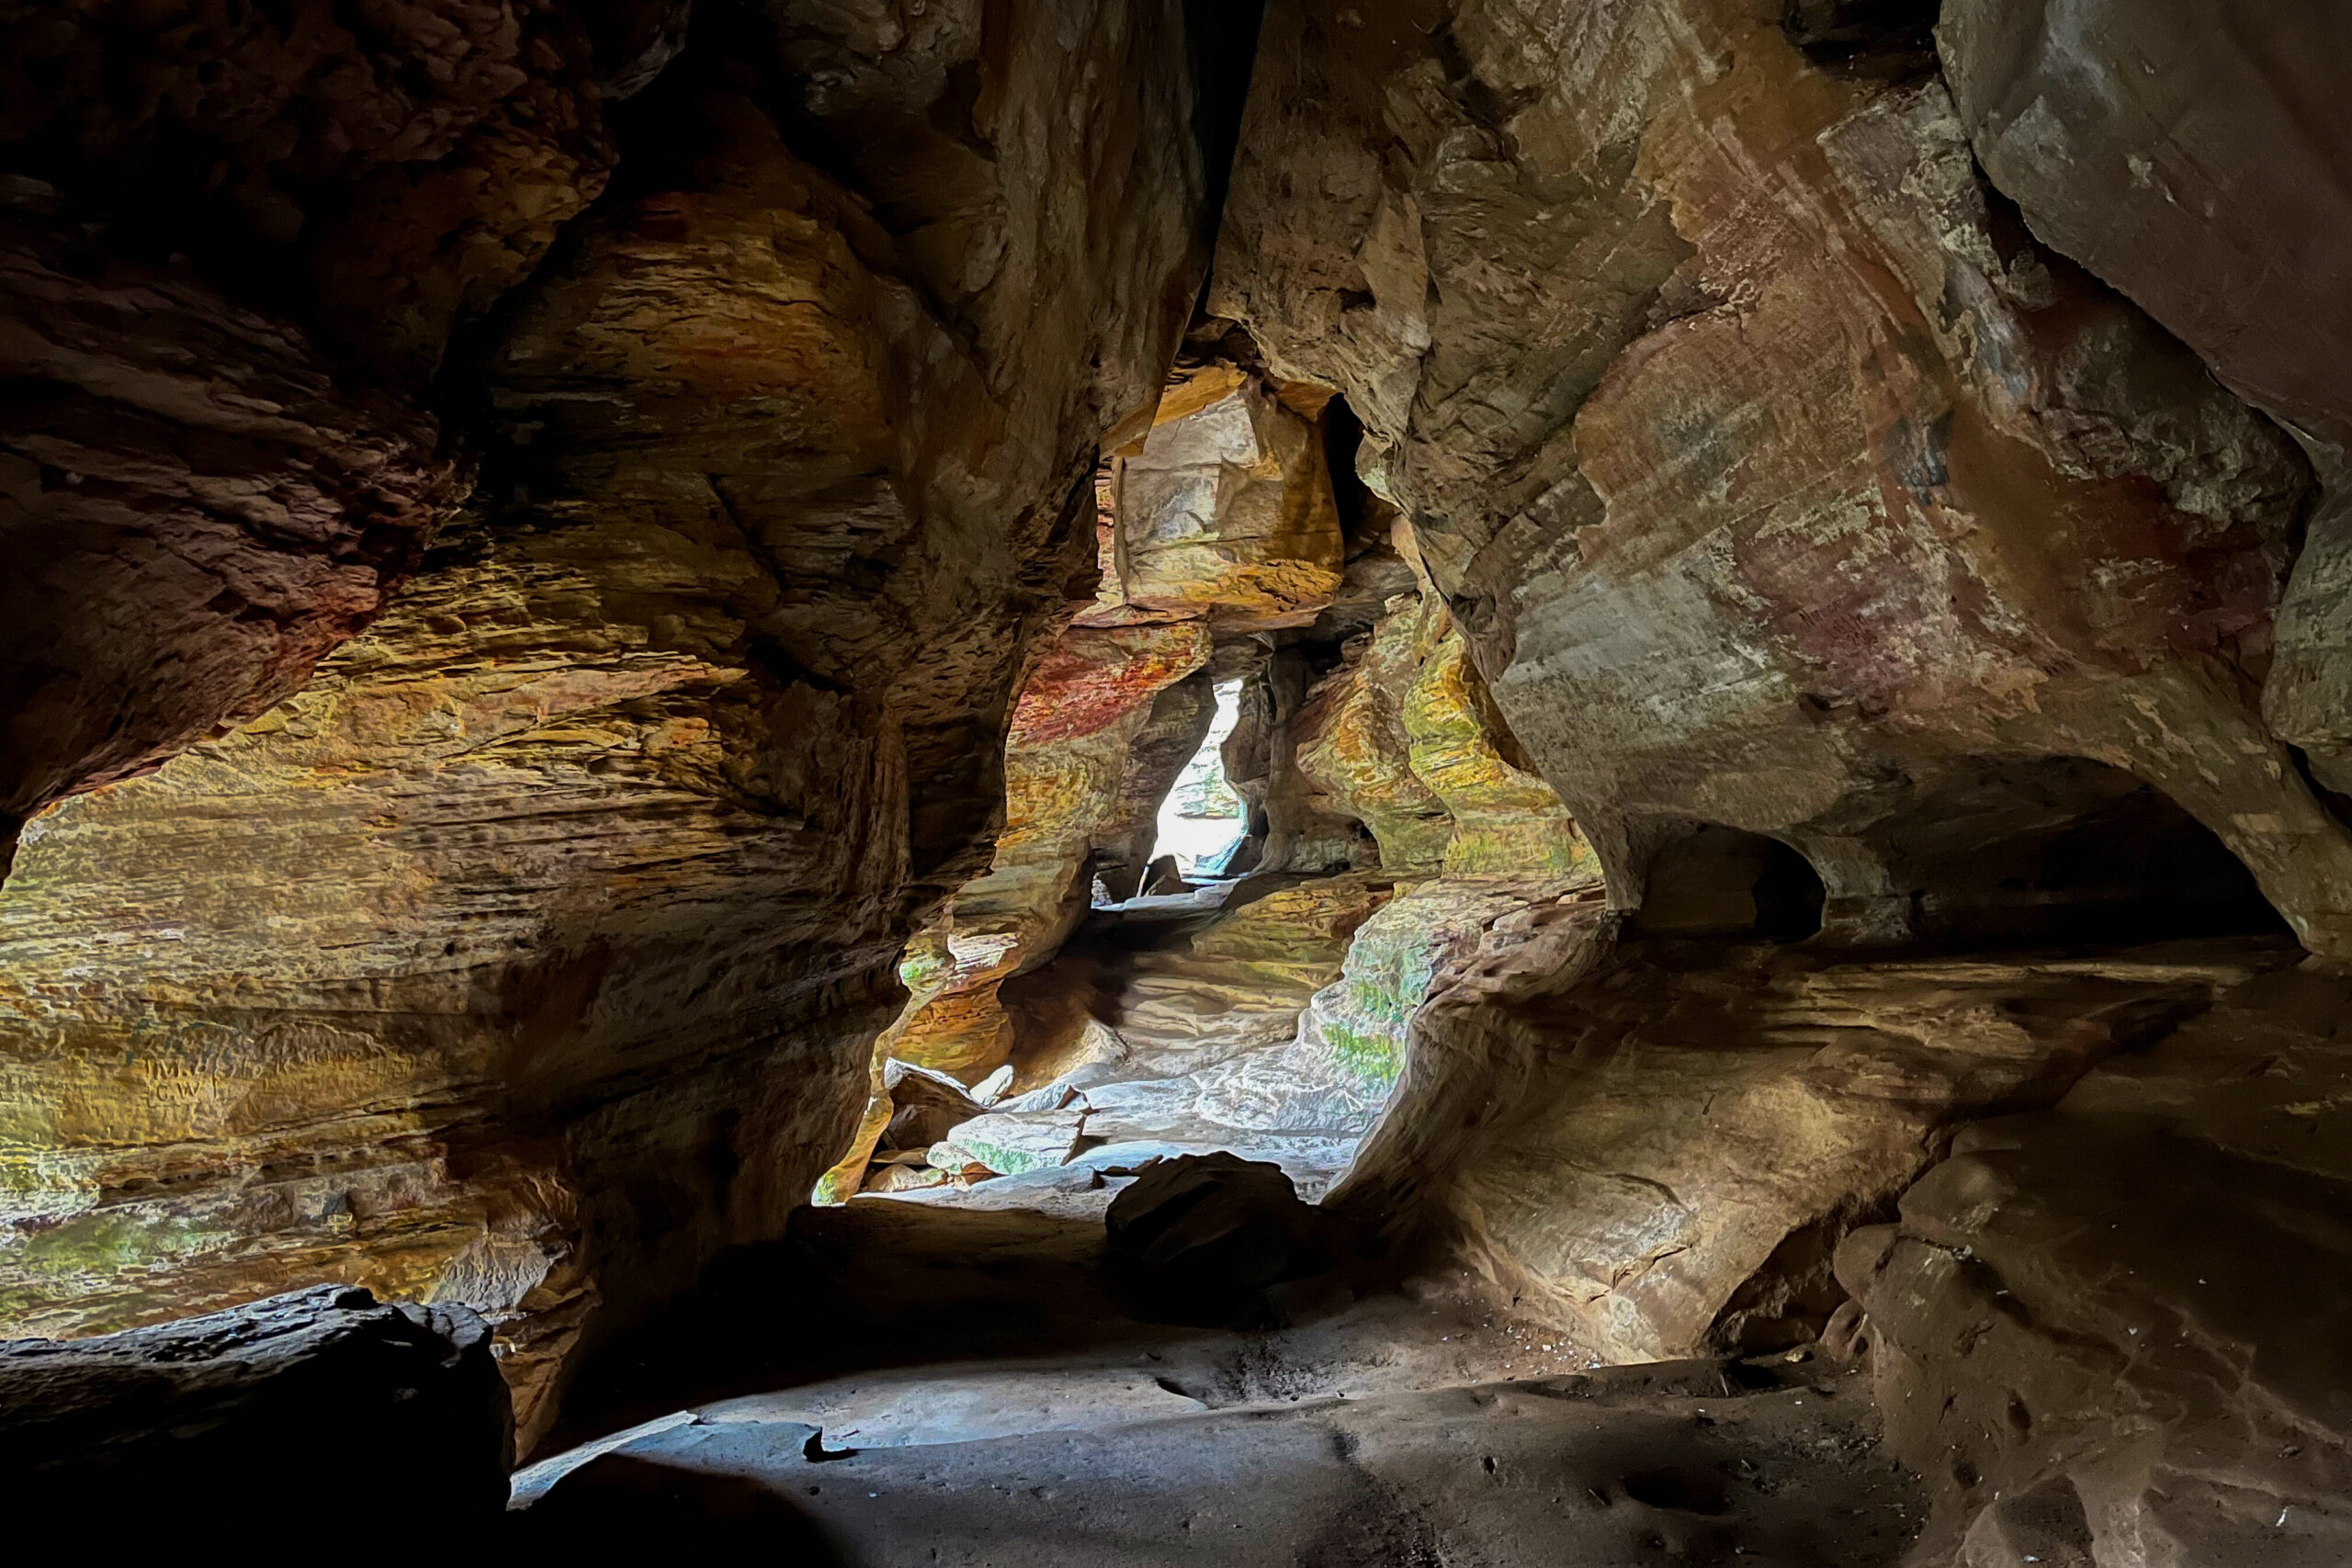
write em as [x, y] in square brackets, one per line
[1202, 816]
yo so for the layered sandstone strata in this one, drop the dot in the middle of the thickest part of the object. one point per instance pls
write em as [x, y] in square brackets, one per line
[1780, 479]
[2113, 1332]
[533, 951]
[234, 246]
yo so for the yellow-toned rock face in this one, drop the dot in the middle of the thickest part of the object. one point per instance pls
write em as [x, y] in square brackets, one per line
[1220, 519]
[1065, 765]
[222, 293]
[532, 952]
[1357, 751]
[1405, 739]
[1228, 512]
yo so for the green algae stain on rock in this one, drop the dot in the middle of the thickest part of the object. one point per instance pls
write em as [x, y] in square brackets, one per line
[1363, 1019]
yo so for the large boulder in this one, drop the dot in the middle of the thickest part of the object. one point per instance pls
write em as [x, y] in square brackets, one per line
[2117, 1332]
[287, 1422]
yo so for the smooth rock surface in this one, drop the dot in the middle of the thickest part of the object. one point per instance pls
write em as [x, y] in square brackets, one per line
[1777, 479]
[2184, 154]
[1604, 1471]
[1659, 1147]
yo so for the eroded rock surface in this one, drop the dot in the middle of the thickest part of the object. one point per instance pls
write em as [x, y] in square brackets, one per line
[1660, 1148]
[2114, 1333]
[237, 245]
[533, 951]
[554, 608]
[1781, 479]
[2182, 153]
[1227, 508]
[277, 1419]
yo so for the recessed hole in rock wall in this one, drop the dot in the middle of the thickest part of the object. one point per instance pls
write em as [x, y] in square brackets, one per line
[1342, 435]
[1718, 881]
[1682, 1491]
[2064, 849]
[1883, 40]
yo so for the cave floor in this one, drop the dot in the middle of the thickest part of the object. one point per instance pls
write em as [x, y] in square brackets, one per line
[902, 1384]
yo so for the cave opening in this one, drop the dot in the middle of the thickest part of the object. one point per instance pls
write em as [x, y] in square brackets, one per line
[1203, 818]
[2065, 851]
[1712, 880]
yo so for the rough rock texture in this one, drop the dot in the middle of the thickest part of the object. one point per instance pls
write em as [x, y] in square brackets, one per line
[2116, 1332]
[1778, 477]
[1250, 1068]
[233, 245]
[1066, 770]
[275, 1421]
[1137, 1022]
[1868, 475]
[195, 512]
[1294, 824]
[1404, 739]
[1660, 1144]
[1353, 1037]
[1227, 509]
[534, 951]
[1072, 785]
[1167, 1029]
[2186, 154]
[2191, 156]
[1355, 750]
[1220, 519]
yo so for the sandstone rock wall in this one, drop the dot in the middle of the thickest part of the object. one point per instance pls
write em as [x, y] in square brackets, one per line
[1175, 1030]
[1660, 1144]
[1851, 553]
[533, 951]
[2114, 1332]
[1217, 519]
[1778, 476]
[1405, 739]
[2187, 156]
[237, 245]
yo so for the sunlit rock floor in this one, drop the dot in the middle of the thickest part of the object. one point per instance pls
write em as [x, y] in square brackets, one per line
[899, 1384]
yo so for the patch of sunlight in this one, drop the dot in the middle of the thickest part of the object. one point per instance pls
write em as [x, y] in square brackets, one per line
[1202, 816]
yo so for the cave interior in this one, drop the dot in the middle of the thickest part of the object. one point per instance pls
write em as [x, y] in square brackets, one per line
[1031, 783]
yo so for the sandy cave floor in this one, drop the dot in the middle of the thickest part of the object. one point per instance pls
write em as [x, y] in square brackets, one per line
[903, 1385]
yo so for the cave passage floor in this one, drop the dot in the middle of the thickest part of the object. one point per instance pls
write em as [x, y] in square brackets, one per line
[900, 1384]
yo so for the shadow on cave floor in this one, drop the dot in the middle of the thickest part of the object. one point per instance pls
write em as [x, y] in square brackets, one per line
[891, 1322]
[896, 1384]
